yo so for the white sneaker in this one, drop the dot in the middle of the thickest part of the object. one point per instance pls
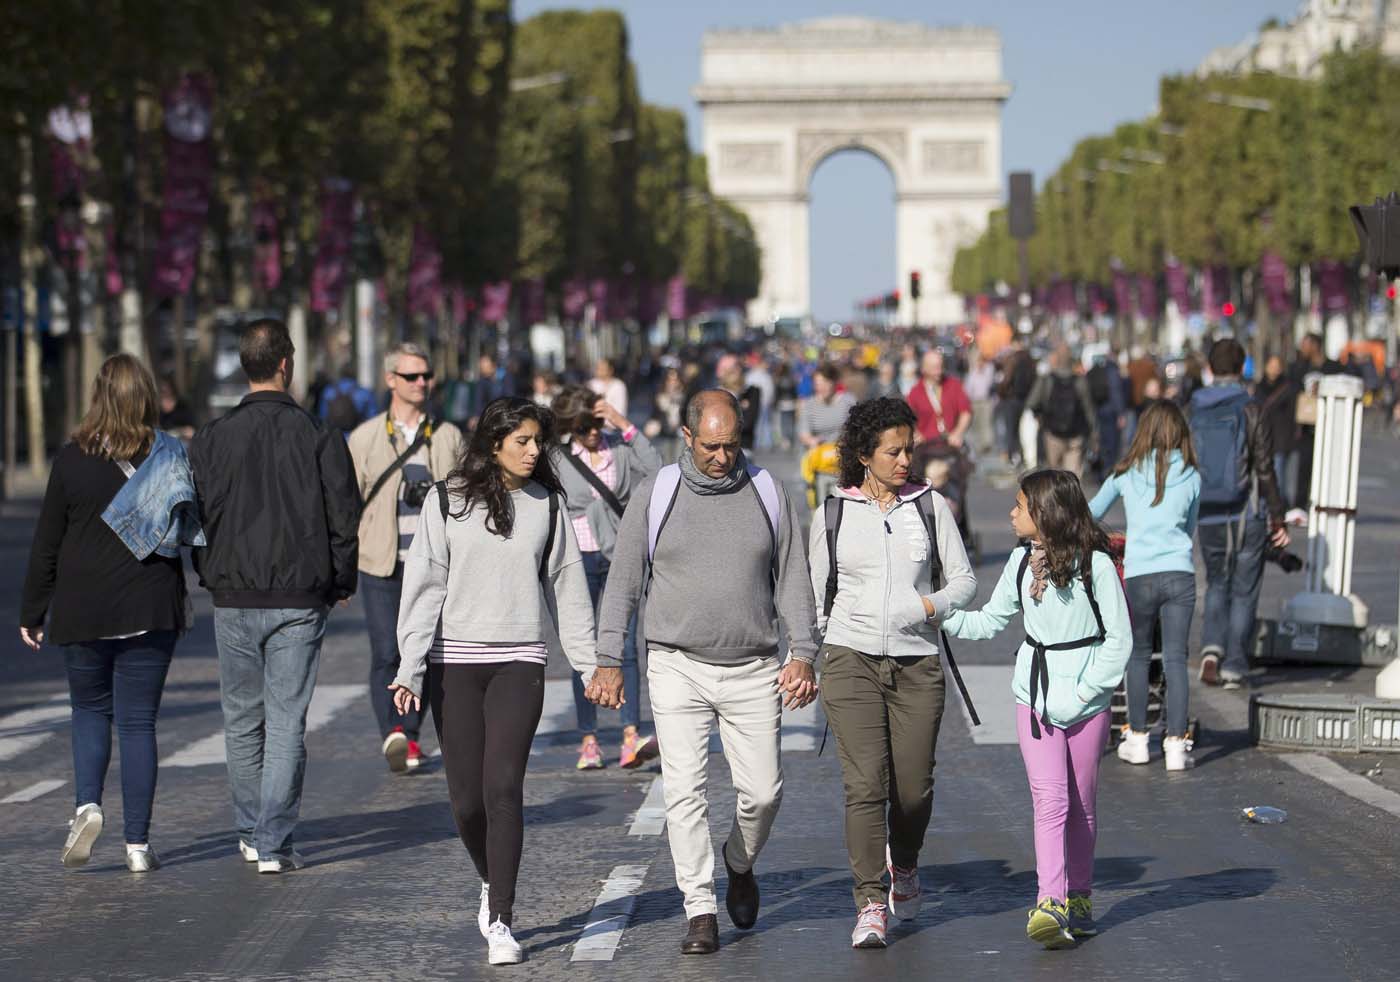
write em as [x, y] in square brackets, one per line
[141, 858]
[1177, 751]
[249, 854]
[483, 914]
[82, 833]
[906, 892]
[1132, 749]
[396, 751]
[503, 948]
[281, 864]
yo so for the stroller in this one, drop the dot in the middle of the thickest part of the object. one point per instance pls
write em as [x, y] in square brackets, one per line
[948, 470]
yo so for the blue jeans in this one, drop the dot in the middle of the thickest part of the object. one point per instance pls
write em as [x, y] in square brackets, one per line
[595, 567]
[121, 682]
[1234, 562]
[1170, 597]
[267, 671]
[380, 595]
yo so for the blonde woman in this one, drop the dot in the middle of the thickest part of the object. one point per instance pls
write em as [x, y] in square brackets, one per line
[105, 584]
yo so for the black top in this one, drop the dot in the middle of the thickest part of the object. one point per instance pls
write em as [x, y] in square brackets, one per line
[81, 574]
[280, 506]
[1278, 404]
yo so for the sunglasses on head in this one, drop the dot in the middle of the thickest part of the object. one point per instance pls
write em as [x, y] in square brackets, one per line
[415, 376]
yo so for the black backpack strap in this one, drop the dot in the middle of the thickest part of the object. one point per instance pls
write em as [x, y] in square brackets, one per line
[442, 499]
[1093, 601]
[586, 472]
[834, 507]
[549, 539]
[924, 503]
[1021, 576]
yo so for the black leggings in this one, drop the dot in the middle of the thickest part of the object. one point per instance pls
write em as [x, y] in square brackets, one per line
[486, 717]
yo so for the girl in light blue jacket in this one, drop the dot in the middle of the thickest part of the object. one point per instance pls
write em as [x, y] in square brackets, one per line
[1161, 492]
[1078, 639]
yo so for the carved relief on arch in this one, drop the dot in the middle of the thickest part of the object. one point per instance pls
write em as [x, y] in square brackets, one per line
[813, 146]
[750, 158]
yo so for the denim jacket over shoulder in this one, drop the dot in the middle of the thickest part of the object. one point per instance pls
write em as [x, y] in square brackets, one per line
[156, 510]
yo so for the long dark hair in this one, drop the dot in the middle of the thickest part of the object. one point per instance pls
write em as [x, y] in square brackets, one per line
[1161, 429]
[860, 435]
[1067, 529]
[477, 476]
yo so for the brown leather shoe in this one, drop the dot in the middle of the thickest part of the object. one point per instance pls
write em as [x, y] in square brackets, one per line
[741, 896]
[703, 936]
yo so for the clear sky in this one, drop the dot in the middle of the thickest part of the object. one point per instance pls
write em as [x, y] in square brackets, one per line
[1079, 67]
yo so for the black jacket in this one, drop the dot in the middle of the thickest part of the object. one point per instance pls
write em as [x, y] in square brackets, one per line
[1258, 463]
[280, 506]
[1278, 404]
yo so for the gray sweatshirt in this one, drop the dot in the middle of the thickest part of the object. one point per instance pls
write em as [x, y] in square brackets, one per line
[882, 565]
[464, 583]
[633, 463]
[711, 593]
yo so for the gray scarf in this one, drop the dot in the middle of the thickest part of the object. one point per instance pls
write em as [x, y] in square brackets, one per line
[702, 483]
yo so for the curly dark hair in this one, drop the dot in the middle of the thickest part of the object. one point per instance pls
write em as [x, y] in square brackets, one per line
[1067, 529]
[860, 434]
[477, 476]
[573, 409]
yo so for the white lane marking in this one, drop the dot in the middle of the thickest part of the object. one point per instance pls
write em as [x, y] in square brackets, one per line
[611, 911]
[990, 689]
[651, 817]
[326, 701]
[21, 732]
[37, 790]
[1333, 774]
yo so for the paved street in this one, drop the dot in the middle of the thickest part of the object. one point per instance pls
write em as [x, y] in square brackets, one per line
[1185, 890]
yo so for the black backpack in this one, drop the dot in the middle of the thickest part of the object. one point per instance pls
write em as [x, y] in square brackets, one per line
[1062, 413]
[1098, 384]
[341, 411]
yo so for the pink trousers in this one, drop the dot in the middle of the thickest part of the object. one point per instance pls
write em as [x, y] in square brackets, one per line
[1063, 770]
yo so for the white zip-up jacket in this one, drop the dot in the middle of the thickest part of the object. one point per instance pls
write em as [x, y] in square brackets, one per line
[882, 563]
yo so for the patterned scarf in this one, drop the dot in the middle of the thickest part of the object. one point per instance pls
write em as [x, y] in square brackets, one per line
[1040, 570]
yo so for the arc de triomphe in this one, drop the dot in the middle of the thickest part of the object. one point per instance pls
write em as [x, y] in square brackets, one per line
[926, 101]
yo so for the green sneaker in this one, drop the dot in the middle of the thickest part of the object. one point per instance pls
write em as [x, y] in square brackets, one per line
[1049, 925]
[1081, 916]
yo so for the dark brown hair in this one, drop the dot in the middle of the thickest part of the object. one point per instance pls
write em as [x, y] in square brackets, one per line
[122, 419]
[1067, 529]
[573, 408]
[860, 436]
[477, 476]
[1161, 429]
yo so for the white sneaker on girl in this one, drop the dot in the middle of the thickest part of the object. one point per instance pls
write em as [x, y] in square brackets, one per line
[503, 949]
[1132, 749]
[1177, 751]
[483, 913]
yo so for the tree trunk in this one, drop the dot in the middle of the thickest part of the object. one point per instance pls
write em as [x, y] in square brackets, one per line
[29, 269]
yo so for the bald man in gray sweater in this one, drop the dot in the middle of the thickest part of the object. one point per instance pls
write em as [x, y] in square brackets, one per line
[714, 547]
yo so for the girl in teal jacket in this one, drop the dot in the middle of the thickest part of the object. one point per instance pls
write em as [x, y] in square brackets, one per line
[1078, 639]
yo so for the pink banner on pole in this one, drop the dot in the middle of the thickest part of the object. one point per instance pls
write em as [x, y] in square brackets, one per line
[575, 298]
[1215, 289]
[651, 301]
[1147, 300]
[675, 298]
[1332, 287]
[1273, 276]
[598, 294]
[332, 266]
[1122, 294]
[1178, 291]
[189, 164]
[495, 301]
[532, 306]
[267, 246]
[424, 274]
[113, 271]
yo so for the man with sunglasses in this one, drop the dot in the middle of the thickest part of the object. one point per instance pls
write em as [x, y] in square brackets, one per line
[398, 455]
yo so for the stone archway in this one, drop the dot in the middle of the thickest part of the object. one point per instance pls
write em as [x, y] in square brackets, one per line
[925, 101]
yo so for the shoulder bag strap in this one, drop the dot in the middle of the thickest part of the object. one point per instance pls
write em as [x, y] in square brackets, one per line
[586, 472]
[393, 468]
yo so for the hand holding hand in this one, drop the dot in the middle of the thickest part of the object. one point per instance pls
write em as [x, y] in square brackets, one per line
[606, 688]
[799, 681]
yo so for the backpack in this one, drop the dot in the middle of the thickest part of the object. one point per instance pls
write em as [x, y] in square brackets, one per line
[668, 486]
[1221, 434]
[833, 509]
[341, 411]
[1062, 413]
[1099, 389]
[549, 539]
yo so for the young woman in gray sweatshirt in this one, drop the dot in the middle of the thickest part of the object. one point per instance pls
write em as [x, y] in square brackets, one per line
[882, 677]
[490, 581]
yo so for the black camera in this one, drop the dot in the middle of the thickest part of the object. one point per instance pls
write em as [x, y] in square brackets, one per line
[1283, 559]
[416, 492]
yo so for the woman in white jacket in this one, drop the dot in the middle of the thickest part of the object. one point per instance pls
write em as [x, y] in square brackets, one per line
[494, 558]
[882, 673]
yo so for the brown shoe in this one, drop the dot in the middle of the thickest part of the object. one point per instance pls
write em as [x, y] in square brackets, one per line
[1210, 668]
[703, 936]
[741, 897]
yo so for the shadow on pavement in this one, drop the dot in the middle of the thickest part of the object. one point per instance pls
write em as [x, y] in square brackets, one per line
[1188, 891]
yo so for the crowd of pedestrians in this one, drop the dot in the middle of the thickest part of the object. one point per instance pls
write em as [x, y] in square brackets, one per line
[553, 519]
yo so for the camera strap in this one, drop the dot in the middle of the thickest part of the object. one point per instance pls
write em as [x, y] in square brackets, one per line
[424, 437]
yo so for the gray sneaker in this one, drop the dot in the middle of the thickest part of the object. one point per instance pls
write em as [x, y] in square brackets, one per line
[280, 864]
[141, 860]
[82, 833]
[1081, 916]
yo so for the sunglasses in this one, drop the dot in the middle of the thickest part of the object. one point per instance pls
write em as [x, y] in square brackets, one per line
[592, 423]
[415, 376]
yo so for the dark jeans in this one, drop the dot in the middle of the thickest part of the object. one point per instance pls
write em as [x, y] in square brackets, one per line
[1234, 562]
[486, 717]
[1170, 597]
[1010, 411]
[381, 599]
[595, 567]
[267, 672]
[118, 682]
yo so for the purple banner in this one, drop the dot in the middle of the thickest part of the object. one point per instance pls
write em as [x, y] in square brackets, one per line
[1147, 300]
[332, 267]
[70, 138]
[1273, 280]
[267, 246]
[1122, 294]
[1178, 289]
[189, 163]
[598, 294]
[1332, 288]
[113, 271]
[495, 301]
[1094, 298]
[575, 298]
[1215, 289]
[675, 298]
[532, 302]
[651, 301]
[424, 274]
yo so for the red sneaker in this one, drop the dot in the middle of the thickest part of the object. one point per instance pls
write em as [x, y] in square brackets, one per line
[415, 755]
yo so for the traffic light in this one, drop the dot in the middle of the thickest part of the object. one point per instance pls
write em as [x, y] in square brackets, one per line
[914, 286]
[892, 301]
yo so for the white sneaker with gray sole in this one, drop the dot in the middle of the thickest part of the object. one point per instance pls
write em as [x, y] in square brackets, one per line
[280, 864]
[82, 833]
